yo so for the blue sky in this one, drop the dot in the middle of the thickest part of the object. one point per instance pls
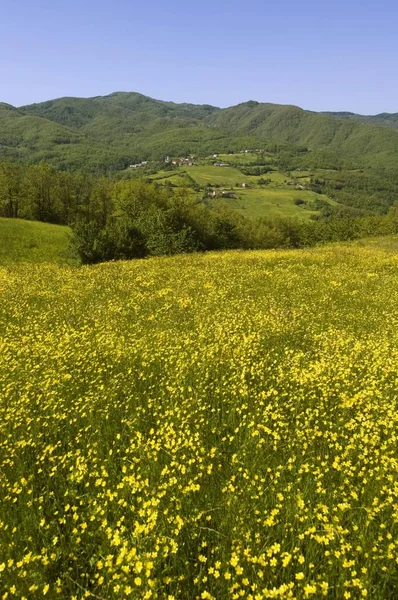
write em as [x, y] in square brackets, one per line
[315, 54]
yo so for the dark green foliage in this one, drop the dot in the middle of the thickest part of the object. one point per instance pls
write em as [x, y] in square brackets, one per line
[256, 170]
[114, 241]
[373, 190]
[141, 219]
[11, 175]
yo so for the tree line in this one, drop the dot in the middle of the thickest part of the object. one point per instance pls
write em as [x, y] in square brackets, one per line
[122, 219]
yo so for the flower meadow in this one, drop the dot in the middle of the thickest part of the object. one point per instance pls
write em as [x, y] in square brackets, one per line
[216, 426]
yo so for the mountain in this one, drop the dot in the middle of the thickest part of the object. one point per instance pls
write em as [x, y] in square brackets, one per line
[110, 132]
[137, 110]
[383, 119]
[31, 138]
[365, 144]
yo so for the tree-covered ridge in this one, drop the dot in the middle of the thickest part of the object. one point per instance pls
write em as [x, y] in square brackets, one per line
[108, 133]
[133, 107]
[354, 142]
[383, 119]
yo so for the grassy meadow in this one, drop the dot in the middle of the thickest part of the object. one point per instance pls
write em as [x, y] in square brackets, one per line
[215, 426]
[34, 242]
[208, 174]
[268, 202]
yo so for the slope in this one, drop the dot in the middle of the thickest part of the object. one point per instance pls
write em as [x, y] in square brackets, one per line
[383, 119]
[362, 143]
[107, 133]
[32, 138]
[33, 242]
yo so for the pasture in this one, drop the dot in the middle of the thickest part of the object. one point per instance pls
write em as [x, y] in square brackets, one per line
[209, 174]
[31, 241]
[274, 201]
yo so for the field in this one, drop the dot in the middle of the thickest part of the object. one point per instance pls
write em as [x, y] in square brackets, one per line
[242, 158]
[208, 174]
[207, 426]
[270, 202]
[276, 199]
[31, 241]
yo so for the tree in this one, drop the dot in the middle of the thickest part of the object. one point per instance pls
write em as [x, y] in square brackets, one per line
[39, 190]
[11, 175]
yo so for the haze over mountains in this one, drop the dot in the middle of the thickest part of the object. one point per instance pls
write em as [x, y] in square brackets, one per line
[110, 132]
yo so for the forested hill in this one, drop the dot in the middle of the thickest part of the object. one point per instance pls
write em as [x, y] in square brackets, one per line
[137, 109]
[365, 144]
[110, 132]
[383, 119]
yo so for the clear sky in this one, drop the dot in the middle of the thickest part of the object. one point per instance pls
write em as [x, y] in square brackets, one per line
[318, 54]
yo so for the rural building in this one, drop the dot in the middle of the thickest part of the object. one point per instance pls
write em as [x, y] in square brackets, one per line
[222, 194]
[137, 165]
[186, 160]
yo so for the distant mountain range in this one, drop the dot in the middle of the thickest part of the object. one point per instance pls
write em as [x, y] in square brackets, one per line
[110, 132]
[383, 119]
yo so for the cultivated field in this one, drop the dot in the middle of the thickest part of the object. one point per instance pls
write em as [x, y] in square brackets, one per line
[207, 426]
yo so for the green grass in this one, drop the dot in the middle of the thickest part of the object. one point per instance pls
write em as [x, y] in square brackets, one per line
[230, 176]
[302, 174]
[225, 176]
[162, 175]
[271, 202]
[34, 242]
[177, 178]
[238, 157]
[276, 177]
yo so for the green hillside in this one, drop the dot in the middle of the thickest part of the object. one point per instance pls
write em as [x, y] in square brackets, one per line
[383, 119]
[135, 109]
[276, 202]
[24, 132]
[351, 163]
[361, 143]
[32, 138]
[134, 126]
[34, 242]
[110, 132]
